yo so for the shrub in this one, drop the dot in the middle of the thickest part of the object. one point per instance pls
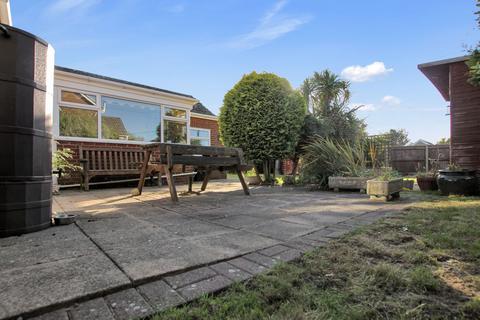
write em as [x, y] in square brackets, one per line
[263, 115]
[325, 157]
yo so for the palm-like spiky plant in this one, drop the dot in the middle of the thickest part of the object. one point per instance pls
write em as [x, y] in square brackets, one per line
[325, 91]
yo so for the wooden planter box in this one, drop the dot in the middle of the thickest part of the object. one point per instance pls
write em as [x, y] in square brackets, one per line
[337, 183]
[385, 190]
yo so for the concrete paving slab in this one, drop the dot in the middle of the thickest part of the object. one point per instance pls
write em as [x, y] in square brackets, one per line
[247, 265]
[230, 271]
[91, 310]
[235, 243]
[240, 221]
[160, 295]
[155, 258]
[50, 277]
[211, 285]
[128, 304]
[274, 250]
[289, 255]
[317, 219]
[55, 315]
[183, 279]
[281, 230]
[261, 259]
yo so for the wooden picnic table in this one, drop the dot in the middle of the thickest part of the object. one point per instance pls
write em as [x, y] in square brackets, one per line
[200, 157]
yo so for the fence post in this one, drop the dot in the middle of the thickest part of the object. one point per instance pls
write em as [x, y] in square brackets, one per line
[427, 165]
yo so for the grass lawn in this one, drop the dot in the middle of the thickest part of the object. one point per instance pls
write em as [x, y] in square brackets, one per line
[424, 264]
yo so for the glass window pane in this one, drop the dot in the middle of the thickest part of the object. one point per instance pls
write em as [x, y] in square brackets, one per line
[199, 142]
[130, 120]
[174, 132]
[81, 98]
[199, 133]
[75, 122]
[170, 112]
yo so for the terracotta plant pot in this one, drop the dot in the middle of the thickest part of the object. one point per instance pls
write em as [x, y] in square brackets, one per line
[427, 183]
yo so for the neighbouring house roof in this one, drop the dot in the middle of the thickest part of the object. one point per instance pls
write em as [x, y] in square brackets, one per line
[93, 75]
[201, 109]
[115, 125]
[421, 142]
[438, 72]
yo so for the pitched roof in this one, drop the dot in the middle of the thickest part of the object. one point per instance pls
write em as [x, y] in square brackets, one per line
[97, 76]
[421, 142]
[201, 109]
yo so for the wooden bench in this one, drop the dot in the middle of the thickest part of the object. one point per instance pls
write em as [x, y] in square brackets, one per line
[200, 157]
[104, 161]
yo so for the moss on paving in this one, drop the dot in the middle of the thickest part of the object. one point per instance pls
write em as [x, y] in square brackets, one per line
[422, 264]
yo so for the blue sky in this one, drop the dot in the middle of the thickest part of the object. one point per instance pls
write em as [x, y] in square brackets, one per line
[203, 47]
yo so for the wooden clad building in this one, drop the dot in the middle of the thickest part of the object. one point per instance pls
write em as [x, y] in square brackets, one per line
[450, 77]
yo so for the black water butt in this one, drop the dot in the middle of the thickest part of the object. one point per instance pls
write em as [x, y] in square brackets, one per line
[26, 103]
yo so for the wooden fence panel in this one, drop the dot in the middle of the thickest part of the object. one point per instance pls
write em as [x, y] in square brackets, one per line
[410, 159]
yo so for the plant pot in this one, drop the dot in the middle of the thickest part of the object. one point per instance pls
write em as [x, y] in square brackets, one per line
[358, 183]
[64, 219]
[459, 182]
[384, 190]
[408, 184]
[427, 183]
[253, 180]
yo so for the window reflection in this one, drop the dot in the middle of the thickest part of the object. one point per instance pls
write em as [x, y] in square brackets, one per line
[129, 120]
[174, 132]
[80, 98]
[75, 122]
[177, 113]
[199, 137]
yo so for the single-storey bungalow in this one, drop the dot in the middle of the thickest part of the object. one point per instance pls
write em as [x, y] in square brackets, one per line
[91, 110]
[450, 77]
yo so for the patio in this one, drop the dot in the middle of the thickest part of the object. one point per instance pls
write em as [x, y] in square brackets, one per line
[127, 256]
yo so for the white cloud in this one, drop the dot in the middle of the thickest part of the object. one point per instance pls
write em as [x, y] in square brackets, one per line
[60, 6]
[363, 106]
[364, 73]
[272, 26]
[391, 100]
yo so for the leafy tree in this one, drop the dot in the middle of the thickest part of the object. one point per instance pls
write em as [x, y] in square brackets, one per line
[398, 137]
[444, 141]
[263, 115]
[474, 60]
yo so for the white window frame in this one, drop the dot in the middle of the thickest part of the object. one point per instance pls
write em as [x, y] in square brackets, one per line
[198, 138]
[98, 108]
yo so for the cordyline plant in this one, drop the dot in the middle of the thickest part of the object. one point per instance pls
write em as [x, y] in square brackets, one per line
[326, 157]
[263, 115]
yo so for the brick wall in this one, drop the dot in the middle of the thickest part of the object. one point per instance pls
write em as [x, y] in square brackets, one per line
[207, 124]
[287, 167]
